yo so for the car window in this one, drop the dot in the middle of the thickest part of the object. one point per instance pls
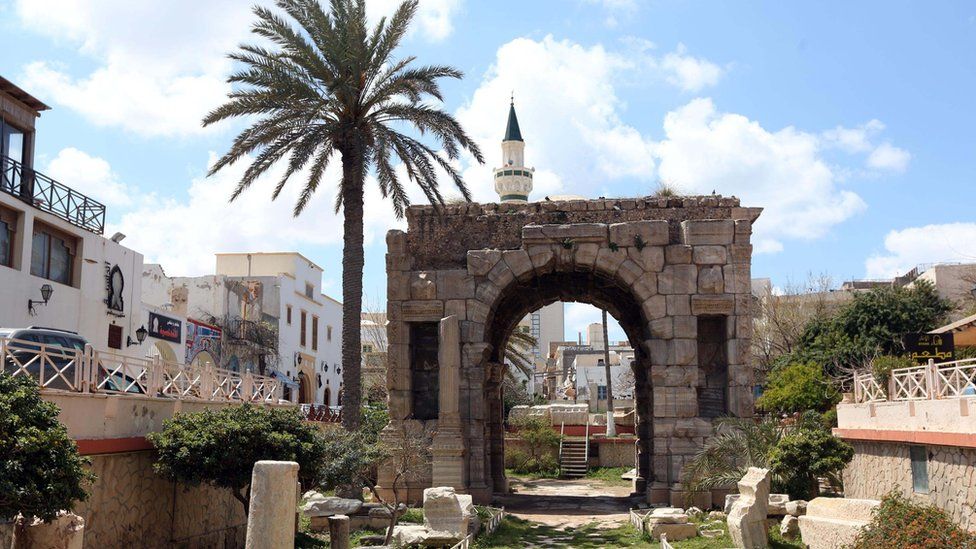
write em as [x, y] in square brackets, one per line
[76, 343]
[25, 336]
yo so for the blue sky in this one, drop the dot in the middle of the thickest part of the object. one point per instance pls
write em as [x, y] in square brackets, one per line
[852, 123]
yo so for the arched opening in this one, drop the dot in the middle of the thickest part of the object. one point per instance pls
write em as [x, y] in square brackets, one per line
[204, 359]
[163, 351]
[327, 399]
[520, 298]
[304, 389]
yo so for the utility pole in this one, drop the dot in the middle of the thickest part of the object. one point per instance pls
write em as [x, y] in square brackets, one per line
[611, 427]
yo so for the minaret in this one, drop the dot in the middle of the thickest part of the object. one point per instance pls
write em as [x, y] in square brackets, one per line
[513, 181]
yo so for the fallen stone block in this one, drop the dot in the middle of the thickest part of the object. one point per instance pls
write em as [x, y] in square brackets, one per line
[796, 507]
[789, 528]
[675, 532]
[446, 511]
[776, 506]
[329, 506]
[834, 522]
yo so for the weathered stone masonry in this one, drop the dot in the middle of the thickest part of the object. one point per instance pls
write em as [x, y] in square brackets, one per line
[675, 272]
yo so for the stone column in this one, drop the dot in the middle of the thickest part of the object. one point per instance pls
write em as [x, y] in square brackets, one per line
[339, 532]
[496, 427]
[447, 448]
[271, 519]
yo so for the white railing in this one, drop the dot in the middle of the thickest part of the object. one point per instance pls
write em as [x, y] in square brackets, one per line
[955, 379]
[562, 430]
[495, 518]
[89, 371]
[664, 542]
[637, 520]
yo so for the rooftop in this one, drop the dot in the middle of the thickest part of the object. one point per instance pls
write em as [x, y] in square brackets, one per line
[11, 89]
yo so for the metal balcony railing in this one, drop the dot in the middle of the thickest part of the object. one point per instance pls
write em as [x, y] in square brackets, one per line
[48, 195]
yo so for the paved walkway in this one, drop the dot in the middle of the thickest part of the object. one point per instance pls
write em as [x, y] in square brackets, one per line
[564, 503]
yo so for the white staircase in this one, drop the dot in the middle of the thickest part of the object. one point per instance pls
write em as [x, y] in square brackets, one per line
[574, 455]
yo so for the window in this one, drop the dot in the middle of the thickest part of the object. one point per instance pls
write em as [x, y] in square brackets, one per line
[8, 224]
[367, 347]
[115, 336]
[309, 290]
[713, 366]
[920, 469]
[315, 333]
[288, 314]
[301, 337]
[52, 254]
[328, 333]
[11, 142]
[601, 392]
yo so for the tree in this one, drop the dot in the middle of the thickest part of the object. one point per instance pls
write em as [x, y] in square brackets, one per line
[331, 87]
[798, 387]
[740, 443]
[871, 324]
[41, 471]
[804, 455]
[220, 447]
[352, 459]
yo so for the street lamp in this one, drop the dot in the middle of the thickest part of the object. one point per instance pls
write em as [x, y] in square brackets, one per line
[140, 337]
[46, 291]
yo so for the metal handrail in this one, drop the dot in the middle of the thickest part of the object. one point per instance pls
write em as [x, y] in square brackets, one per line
[586, 451]
[49, 195]
[562, 430]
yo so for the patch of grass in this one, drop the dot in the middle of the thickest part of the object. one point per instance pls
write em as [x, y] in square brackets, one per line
[514, 533]
[412, 516]
[608, 474]
[554, 473]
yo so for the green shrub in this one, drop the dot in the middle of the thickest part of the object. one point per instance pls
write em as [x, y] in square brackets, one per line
[805, 454]
[539, 436]
[798, 387]
[898, 522]
[220, 447]
[41, 471]
[882, 366]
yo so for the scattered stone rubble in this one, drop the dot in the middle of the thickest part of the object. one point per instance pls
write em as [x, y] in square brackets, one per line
[373, 516]
[448, 518]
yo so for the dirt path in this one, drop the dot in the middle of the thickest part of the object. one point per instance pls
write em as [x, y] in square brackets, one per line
[565, 503]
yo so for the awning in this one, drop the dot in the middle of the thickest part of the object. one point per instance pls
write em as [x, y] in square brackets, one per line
[288, 382]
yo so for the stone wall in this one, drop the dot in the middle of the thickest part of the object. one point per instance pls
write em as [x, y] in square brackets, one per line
[881, 467]
[131, 506]
[618, 452]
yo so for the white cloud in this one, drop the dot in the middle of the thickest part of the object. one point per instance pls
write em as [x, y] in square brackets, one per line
[689, 73]
[89, 175]
[434, 17]
[184, 234]
[906, 248]
[705, 150]
[884, 157]
[888, 157]
[569, 114]
[159, 68]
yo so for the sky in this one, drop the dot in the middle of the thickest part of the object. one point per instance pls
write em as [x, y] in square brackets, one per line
[850, 123]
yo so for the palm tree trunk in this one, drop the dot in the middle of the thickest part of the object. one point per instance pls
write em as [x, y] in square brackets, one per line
[352, 282]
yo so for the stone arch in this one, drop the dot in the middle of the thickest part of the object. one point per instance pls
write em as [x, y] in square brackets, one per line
[461, 275]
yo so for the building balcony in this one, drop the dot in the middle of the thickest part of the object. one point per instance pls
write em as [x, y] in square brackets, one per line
[46, 194]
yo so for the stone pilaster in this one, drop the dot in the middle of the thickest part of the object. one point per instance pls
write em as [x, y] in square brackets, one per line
[447, 448]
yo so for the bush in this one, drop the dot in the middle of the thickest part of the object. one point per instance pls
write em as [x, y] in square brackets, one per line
[805, 454]
[798, 387]
[538, 434]
[220, 447]
[898, 522]
[882, 366]
[41, 471]
[524, 463]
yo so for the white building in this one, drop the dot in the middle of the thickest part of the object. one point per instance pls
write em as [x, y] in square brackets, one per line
[272, 298]
[51, 241]
[591, 376]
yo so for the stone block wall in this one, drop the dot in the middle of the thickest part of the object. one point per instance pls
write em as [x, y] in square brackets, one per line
[882, 467]
[660, 266]
[131, 506]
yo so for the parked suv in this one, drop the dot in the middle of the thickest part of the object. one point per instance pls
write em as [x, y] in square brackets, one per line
[59, 354]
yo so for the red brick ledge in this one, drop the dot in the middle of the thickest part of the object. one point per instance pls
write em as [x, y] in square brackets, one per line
[89, 447]
[962, 440]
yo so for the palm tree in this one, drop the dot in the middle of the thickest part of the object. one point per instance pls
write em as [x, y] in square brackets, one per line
[331, 87]
[518, 353]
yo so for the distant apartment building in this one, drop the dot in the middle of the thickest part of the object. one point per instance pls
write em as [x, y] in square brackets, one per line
[261, 312]
[57, 270]
[546, 325]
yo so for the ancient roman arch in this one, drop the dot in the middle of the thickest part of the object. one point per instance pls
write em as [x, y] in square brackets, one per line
[674, 271]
